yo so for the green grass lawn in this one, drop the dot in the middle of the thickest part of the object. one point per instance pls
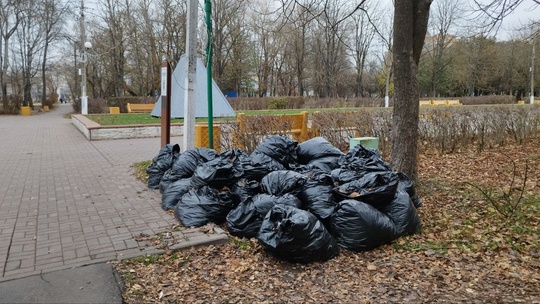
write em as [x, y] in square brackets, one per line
[127, 119]
[146, 119]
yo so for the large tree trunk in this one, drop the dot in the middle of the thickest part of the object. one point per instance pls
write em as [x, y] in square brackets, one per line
[410, 26]
[4, 67]
[44, 101]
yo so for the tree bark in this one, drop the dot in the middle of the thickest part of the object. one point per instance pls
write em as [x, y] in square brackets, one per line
[410, 26]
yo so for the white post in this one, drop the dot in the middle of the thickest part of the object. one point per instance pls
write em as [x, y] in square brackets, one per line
[387, 89]
[190, 98]
[531, 98]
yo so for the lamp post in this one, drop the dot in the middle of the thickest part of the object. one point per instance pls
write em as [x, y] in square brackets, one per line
[84, 98]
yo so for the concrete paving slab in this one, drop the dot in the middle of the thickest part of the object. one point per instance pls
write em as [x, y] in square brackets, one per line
[69, 202]
[90, 284]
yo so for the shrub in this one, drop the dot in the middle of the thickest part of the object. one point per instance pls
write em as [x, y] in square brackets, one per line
[488, 100]
[298, 102]
[95, 106]
[51, 100]
[13, 106]
[441, 129]
[276, 103]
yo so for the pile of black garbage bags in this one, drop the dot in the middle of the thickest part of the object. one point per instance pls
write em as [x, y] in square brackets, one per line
[302, 201]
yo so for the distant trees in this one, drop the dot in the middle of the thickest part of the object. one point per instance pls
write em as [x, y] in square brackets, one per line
[328, 48]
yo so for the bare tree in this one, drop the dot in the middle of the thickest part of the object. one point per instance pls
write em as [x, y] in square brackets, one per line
[113, 16]
[141, 66]
[228, 31]
[493, 12]
[263, 28]
[364, 32]
[172, 29]
[330, 57]
[50, 15]
[10, 18]
[445, 15]
[148, 50]
[30, 44]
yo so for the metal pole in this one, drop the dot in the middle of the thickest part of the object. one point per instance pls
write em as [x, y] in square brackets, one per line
[209, 53]
[191, 79]
[84, 98]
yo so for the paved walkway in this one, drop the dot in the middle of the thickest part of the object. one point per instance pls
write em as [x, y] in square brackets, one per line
[67, 202]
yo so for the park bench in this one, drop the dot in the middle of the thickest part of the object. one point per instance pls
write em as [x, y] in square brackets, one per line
[140, 107]
[294, 124]
[440, 102]
[453, 102]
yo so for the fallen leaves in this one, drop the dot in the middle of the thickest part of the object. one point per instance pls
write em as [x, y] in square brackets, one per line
[466, 252]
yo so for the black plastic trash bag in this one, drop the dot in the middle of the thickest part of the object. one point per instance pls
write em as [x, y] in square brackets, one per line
[315, 148]
[363, 159]
[234, 155]
[245, 220]
[358, 226]
[317, 195]
[258, 165]
[342, 176]
[282, 182]
[174, 193]
[296, 235]
[280, 148]
[199, 207]
[161, 163]
[406, 184]
[217, 173]
[326, 164]
[243, 189]
[185, 165]
[166, 180]
[403, 213]
[375, 188]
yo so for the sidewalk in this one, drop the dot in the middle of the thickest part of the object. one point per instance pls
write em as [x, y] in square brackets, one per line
[67, 202]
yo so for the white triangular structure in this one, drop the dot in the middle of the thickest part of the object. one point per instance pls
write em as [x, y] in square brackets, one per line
[220, 105]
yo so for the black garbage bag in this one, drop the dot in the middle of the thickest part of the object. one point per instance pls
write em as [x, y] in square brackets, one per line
[243, 189]
[403, 213]
[185, 165]
[317, 195]
[296, 235]
[280, 148]
[245, 220]
[375, 188]
[282, 182]
[363, 159]
[406, 184]
[327, 163]
[161, 163]
[234, 155]
[199, 207]
[315, 148]
[174, 193]
[217, 173]
[358, 226]
[342, 176]
[258, 165]
[167, 179]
